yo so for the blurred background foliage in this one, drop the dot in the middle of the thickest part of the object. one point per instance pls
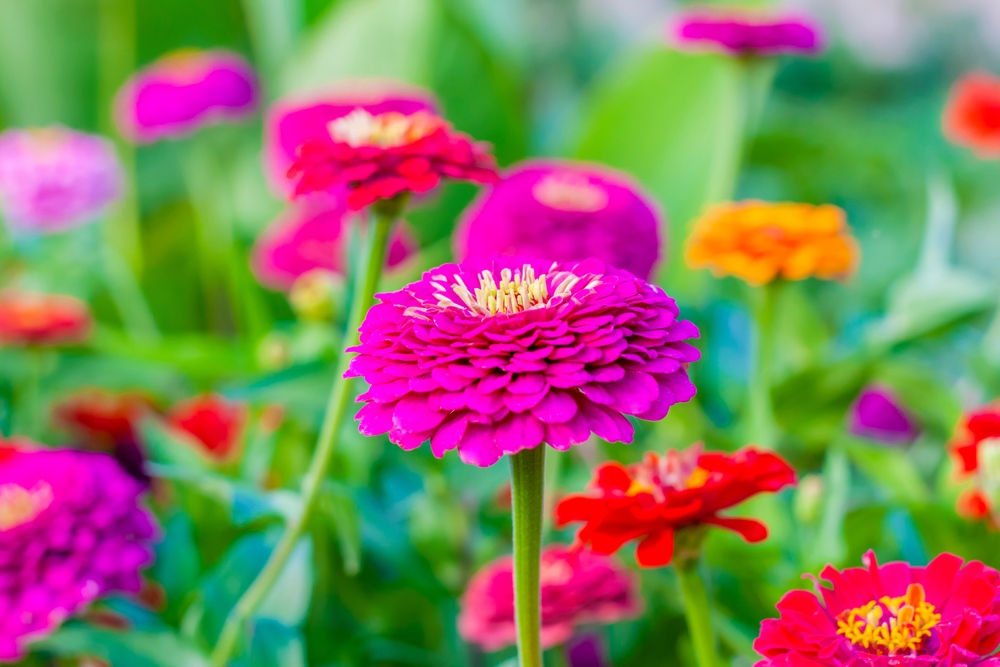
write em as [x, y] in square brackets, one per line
[376, 582]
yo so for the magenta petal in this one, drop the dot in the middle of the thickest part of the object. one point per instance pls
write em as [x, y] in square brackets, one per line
[478, 446]
[557, 407]
[519, 431]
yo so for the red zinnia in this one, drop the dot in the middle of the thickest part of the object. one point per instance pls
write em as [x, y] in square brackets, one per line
[944, 615]
[215, 424]
[972, 117]
[383, 155]
[651, 500]
[100, 418]
[976, 447]
[28, 318]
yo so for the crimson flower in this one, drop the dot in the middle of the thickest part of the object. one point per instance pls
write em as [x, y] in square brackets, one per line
[976, 447]
[30, 318]
[946, 614]
[972, 117]
[214, 425]
[652, 500]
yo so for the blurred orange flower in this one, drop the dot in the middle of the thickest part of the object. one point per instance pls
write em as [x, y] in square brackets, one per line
[972, 116]
[760, 242]
[28, 318]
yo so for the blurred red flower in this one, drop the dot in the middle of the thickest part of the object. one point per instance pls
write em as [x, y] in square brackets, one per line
[30, 318]
[972, 116]
[100, 418]
[976, 448]
[214, 423]
[652, 500]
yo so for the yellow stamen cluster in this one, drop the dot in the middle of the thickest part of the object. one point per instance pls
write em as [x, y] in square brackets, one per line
[360, 128]
[891, 626]
[517, 291]
[570, 192]
[19, 505]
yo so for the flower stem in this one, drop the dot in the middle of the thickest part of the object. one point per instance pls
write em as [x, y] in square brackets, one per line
[527, 474]
[697, 611]
[366, 282]
[763, 431]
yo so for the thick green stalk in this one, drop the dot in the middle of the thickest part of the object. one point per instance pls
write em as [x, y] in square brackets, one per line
[698, 612]
[527, 474]
[366, 282]
[763, 431]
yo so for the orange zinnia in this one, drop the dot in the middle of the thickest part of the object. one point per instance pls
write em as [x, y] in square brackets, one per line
[759, 242]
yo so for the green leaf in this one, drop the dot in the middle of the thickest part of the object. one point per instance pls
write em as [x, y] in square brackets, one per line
[163, 446]
[890, 468]
[177, 561]
[830, 545]
[273, 644]
[288, 600]
[134, 648]
[339, 506]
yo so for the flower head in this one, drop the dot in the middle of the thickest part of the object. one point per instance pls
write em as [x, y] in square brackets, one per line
[946, 614]
[878, 415]
[54, 178]
[972, 117]
[213, 424]
[73, 531]
[577, 588]
[184, 91]
[654, 499]
[976, 447]
[564, 211]
[760, 242]
[747, 35]
[491, 357]
[30, 318]
[382, 150]
[310, 235]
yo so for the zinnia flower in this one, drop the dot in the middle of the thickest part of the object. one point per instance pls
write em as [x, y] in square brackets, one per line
[946, 614]
[52, 179]
[184, 91]
[496, 356]
[213, 424]
[972, 117]
[577, 588]
[759, 242]
[378, 155]
[652, 500]
[73, 531]
[564, 211]
[976, 446]
[294, 122]
[310, 235]
[747, 35]
[878, 415]
[29, 318]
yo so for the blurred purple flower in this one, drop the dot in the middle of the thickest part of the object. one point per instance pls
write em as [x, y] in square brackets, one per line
[746, 34]
[312, 234]
[73, 531]
[55, 178]
[493, 357]
[587, 650]
[184, 91]
[293, 122]
[564, 211]
[878, 415]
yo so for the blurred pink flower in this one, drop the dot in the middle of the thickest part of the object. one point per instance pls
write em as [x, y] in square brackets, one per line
[564, 211]
[578, 588]
[73, 531]
[877, 414]
[312, 234]
[292, 122]
[184, 91]
[55, 178]
[746, 34]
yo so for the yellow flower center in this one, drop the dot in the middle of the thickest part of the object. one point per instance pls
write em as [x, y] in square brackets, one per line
[570, 192]
[891, 626]
[386, 130]
[19, 505]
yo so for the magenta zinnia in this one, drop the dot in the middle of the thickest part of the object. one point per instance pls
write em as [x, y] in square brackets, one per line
[73, 531]
[492, 357]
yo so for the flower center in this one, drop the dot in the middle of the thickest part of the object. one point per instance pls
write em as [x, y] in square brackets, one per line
[386, 130]
[19, 505]
[891, 626]
[517, 292]
[570, 192]
[675, 471]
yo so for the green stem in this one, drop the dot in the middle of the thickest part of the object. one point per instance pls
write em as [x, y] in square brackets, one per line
[763, 431]
[30, 394]
[697, 611]
[128, 297]
[366, 282]
[274, 26]
[527, 474]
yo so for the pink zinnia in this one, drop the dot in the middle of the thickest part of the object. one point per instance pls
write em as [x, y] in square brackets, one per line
[310, 235]
[492, 357]
[184, 91]
[564, 211]
[894, 615]
[577, 588]
[55, 178]
[73, 531]
[746, 34]
[293, 122]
